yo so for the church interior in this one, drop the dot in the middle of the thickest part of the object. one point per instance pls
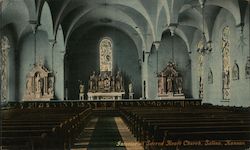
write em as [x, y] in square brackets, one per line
[124, 74]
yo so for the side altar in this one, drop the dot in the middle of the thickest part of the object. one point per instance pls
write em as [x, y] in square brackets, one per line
[39, 84]
[170, 83]
[105, 85]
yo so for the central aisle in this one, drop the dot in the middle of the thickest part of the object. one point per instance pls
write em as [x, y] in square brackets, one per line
[106, 133]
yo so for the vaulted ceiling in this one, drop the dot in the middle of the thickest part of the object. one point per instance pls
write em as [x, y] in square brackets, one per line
[143, 20]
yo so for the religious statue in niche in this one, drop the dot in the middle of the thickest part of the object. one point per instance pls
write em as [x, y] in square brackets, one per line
[226, 63]
[170, 83]
[235, 71]
[247, 68]
[210, 76]
[4, 67]
[39, 83]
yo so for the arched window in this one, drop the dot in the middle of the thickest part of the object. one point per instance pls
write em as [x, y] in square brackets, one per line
[105, 51]
[226, 73]
[4, 67]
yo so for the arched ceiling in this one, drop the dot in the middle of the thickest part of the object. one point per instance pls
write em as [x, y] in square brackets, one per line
[147, 19]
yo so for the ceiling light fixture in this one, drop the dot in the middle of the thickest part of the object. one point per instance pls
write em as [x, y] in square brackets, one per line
[204, 46]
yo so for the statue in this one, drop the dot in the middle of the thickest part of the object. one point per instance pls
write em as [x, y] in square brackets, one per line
[113, 83]
[81, 87]
[179, 85]
[100, 83]
[118, 82]
[130, 87]
[169, 84]
[235, 71]
[210, 76]
[160, 89]
[38, 83]
[92, 82]
[81, 91]
[29, 86]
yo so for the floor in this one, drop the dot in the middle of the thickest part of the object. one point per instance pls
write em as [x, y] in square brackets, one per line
[106, 133]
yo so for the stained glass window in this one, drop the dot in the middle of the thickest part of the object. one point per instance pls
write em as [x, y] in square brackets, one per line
[105, 50]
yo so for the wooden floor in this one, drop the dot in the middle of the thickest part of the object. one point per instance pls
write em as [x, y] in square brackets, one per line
[106, 133]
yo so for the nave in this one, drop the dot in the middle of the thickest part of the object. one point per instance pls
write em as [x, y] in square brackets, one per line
[104, 133]
[123, 125]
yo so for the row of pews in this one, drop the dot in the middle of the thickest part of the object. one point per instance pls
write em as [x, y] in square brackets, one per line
[200, 127]
[41, 127]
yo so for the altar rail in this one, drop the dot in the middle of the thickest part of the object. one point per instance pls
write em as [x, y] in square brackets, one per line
[102, 103]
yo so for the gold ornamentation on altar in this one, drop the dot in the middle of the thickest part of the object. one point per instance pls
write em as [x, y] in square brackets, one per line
[39, 84]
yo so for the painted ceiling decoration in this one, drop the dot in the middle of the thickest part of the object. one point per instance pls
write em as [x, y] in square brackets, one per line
[147, 19]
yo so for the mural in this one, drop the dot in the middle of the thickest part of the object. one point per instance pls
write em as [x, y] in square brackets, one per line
[4, 67]
[226, 63]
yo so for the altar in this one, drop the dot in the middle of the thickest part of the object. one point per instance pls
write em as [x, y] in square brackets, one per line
[105, 96]
[170, 83]
[106, 86]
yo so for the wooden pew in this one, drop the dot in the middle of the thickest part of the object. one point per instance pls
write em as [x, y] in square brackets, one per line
[43, 128]
[159, 125]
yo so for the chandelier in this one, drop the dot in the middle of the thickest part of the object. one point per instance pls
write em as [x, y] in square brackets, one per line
[204, 46]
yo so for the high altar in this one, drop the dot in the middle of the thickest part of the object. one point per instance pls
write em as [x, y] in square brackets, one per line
[170, 83]
[39, 84]
[105, 86]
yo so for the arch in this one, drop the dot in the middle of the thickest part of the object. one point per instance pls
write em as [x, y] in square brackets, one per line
[131, 32]
[193, 18]
[120, 6]
[46, 21]
[179, 31]
[232, 6]
[31, 6]
[88, 18]
[15, 14]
